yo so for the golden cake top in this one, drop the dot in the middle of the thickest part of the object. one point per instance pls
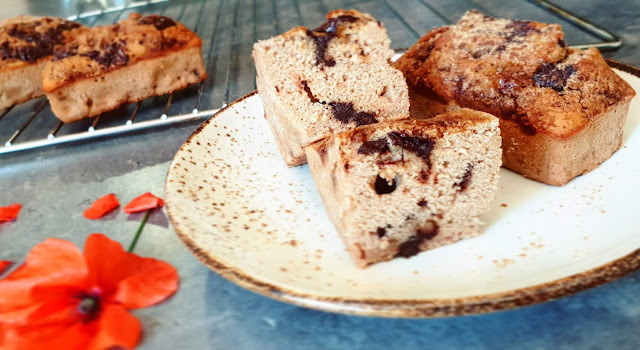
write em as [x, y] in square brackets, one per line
[102, 49]
[520, 70]
[26, 39]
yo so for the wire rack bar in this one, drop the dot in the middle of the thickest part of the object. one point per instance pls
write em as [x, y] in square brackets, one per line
[110, 131]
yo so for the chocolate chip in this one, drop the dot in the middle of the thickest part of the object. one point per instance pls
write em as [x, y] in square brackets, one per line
[479, 53]
[562, 43]
[308, 91]
[345, 113]
[382, 186]
[322, 35]
[519, 29]
[423, 176]
[421, 146]
[411, 246]
[381, 232]
[423, 55]
[64, 53]
[466, 178]
[422, 203]
[110, 55]
[331, 26]
[170, 43]
[549, 75]
[376, 146]
[160, 22]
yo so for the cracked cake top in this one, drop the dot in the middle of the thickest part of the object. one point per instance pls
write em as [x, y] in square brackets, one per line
[520, 70]
[102, 49]
[27, 39]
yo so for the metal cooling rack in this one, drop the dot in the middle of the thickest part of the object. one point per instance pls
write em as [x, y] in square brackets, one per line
[228, 29]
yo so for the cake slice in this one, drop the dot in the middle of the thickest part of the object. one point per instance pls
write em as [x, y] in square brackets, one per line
[395, 189]
[314, 83]
[108, 66]
[562, 111]
[26, 44]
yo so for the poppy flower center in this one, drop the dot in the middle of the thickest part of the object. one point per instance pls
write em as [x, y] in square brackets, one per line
[89, 306]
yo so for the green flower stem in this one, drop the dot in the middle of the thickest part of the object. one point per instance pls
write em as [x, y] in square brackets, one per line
[140, 228]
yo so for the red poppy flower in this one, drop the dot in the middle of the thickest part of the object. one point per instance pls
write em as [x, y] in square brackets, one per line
[102, 206]
[143, 202]
[4, 264]
[63, 299]
[10, 212]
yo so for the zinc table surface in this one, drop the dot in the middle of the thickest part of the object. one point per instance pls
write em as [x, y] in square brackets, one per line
[55, 184]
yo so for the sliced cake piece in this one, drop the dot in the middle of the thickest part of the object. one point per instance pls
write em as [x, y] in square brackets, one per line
[314, 83]
[126, 62]
[26, 44]
[395, 189]
[562, 111]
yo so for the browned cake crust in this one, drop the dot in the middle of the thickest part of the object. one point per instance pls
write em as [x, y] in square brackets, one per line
[26, 43]
[562, 111]
[314, 83]
[394, 189]
[126, 62]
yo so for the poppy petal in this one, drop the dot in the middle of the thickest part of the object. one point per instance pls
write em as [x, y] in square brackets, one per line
[108, 263]
[117, 327]
[55, 325]
[54, 262]
[153, 282]
[55, 309]
[66, 335]
[129, 279]
[143, 202]
[101, 207]
[10, 213]
[4, 264]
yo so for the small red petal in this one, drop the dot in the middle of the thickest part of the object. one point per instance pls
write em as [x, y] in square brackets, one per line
[4, 264]
[143, 202]
[102, 207]
[10, 213]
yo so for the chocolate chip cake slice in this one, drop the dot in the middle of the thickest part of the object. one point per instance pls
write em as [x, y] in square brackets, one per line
[314, 83]
[108, 66]
[395, 189]
[26, 44]
[562, 111]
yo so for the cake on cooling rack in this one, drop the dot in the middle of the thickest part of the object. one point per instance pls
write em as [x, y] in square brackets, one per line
[562, 111]
[314, 83]
[397, 188]
[26, 43]
[108, 66]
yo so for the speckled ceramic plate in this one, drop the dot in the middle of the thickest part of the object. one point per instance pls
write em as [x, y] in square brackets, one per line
[262, 225]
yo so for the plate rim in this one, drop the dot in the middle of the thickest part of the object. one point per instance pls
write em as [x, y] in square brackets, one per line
[410, 308]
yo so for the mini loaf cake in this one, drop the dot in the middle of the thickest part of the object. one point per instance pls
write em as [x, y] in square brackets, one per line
[26, 44]
[314, 83]
[397, 188]
[562, 111]
[106, 67]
